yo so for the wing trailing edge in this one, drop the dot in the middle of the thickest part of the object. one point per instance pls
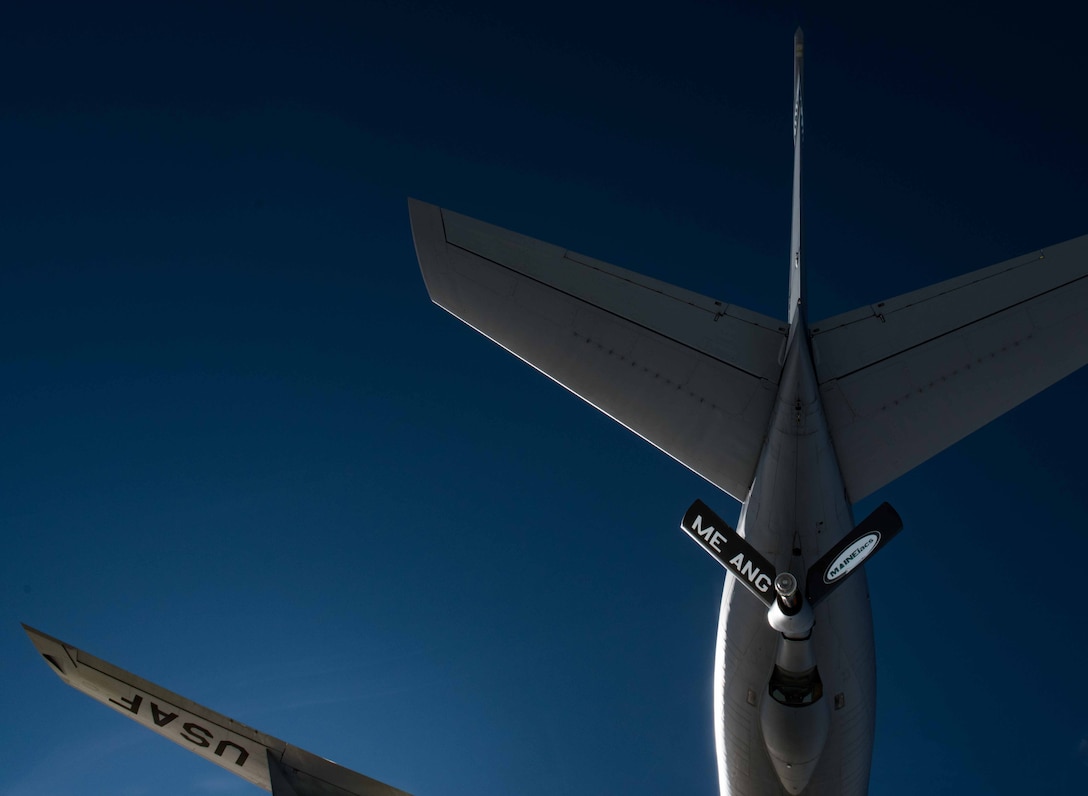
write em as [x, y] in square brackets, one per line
[267, 762]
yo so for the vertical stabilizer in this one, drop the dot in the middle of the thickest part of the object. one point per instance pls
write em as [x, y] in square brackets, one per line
[797, 270]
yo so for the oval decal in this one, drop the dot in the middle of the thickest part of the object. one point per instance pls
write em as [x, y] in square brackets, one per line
[852, 557]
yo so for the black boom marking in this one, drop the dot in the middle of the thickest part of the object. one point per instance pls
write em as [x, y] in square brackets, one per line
[730, 550]
[859, 545]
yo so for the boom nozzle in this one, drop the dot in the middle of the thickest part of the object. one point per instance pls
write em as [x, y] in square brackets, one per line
[789, 597]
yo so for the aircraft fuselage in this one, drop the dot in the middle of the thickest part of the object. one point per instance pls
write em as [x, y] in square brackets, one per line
[795, 511]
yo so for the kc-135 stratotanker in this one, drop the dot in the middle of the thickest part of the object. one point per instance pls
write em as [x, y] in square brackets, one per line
[797, 420]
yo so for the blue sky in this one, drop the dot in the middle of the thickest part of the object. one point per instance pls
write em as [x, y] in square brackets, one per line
[247, 459]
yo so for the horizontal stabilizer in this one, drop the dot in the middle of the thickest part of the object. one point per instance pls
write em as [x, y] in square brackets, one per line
[870, 535]
[903, 379]
[265, 761]
[694, 376]
[731, 550]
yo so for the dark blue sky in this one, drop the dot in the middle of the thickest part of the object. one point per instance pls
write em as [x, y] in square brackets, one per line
[246, 458]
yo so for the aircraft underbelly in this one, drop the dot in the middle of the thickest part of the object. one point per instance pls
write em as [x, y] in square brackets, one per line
[795, 512]
[744, 659]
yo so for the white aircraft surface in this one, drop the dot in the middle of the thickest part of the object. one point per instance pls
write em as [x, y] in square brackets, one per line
[799, 420]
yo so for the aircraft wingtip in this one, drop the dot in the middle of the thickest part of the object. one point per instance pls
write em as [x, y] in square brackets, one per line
[37, 637]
